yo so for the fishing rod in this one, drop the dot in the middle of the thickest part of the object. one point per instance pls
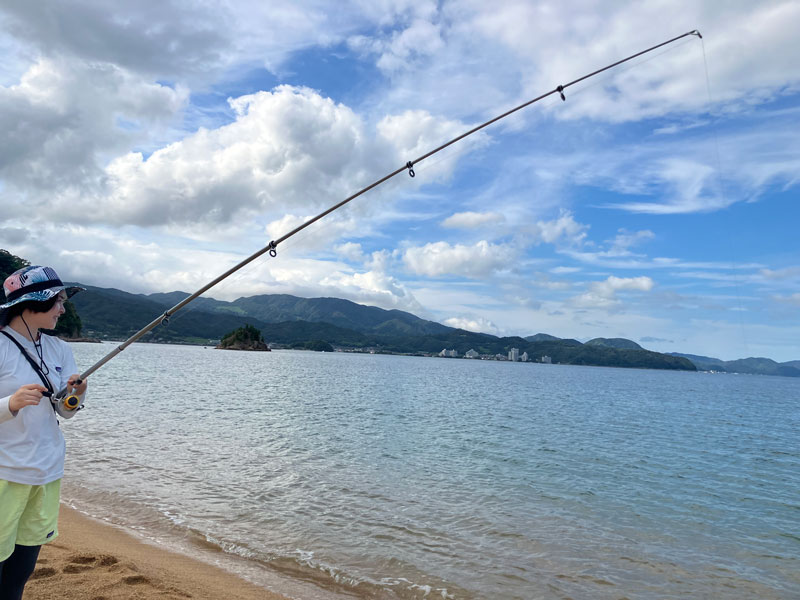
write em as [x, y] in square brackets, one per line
[72, 402]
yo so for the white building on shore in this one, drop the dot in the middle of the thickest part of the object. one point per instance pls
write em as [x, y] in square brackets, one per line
[513, 354]
[449, 353]
[471, 354]
[524, 357]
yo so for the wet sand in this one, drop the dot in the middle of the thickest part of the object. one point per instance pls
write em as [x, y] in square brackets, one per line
[91, 560]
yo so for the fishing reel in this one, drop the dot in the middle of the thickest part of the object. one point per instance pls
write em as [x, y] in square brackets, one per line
[66, 405]
[71, 402]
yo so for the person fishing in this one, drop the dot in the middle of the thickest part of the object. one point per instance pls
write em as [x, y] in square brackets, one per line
[33, 366]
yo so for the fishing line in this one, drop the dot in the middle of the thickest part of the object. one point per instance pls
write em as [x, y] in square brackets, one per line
[409, 167]
[720, 191]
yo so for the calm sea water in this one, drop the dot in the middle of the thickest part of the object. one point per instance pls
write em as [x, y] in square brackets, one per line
[367, 476]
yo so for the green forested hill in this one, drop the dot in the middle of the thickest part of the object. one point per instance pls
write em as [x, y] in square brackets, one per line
[290, 320]
[115, 314]
[619, 343]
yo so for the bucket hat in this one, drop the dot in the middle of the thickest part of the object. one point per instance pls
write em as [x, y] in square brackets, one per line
[35, 283]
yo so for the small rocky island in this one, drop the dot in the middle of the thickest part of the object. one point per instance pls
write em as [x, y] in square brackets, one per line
[244, 338]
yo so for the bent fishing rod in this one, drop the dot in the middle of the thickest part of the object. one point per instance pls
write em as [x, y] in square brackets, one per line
[72, 402]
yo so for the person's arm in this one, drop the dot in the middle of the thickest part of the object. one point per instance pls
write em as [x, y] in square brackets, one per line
[27, 395]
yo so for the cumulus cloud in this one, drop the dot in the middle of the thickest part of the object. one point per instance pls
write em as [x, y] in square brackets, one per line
[350, 251]
[288, 149]
[134, 36]
[476, 324]
[420, 39]
[603, 294]
[191, 42]
[64, 119]
[565, 229]
[372, 287]
[443, 259]
[414, 133]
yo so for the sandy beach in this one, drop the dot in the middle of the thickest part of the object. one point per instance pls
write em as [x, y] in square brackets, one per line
[91, 560]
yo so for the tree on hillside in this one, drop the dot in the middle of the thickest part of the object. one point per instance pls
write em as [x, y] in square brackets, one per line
[10, 263]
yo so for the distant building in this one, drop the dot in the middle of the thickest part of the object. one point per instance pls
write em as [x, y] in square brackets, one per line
[500, 357]
[471, 354]
[449, 353]
[524, 357]
[513, 354]
[547, 360]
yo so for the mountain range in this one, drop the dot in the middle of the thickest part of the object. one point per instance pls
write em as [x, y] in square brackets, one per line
[314, 322]
[291, 321]
[753, 366]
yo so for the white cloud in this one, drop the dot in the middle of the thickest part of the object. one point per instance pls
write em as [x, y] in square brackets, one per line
[564, 270]
[603, 294]
[441, 258]
[420, 39]
[618, 253]
[472, 220]
[414, 133]
[350, 251]
[564, 229]
[622, 243]
[193, 42]
[373, 287]
[287, 150]
[476, 324]
[63, 120]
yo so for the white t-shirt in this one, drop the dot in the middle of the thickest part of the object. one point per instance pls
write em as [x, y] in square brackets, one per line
[32, 446]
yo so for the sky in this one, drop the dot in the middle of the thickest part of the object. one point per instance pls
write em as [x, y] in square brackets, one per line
[152, 147]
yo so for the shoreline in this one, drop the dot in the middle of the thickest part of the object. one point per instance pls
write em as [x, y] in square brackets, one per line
[93, 560]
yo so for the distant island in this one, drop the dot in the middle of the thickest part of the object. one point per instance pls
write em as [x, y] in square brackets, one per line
[243, 338]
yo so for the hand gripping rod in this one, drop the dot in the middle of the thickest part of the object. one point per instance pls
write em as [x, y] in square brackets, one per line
[272, 246]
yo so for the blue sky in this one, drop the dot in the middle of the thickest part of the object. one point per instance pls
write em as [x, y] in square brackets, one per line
[153, 148]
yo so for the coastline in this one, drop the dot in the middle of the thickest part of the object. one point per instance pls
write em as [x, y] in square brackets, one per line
[92, 560]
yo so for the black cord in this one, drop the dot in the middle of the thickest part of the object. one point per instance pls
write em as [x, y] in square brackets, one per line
[37, 344]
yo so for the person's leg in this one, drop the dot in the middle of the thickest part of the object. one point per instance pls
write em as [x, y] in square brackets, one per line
[37, 525]
[13, 500]
[16, 570]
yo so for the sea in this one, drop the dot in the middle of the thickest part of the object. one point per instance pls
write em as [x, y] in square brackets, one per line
[327, 476]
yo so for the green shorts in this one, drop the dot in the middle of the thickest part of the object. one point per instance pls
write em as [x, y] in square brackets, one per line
[29, 516]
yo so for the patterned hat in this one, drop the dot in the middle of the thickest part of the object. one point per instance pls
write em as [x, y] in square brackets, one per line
[32, 283]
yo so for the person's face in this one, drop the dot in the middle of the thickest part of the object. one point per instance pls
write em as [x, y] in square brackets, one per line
[47, 320]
